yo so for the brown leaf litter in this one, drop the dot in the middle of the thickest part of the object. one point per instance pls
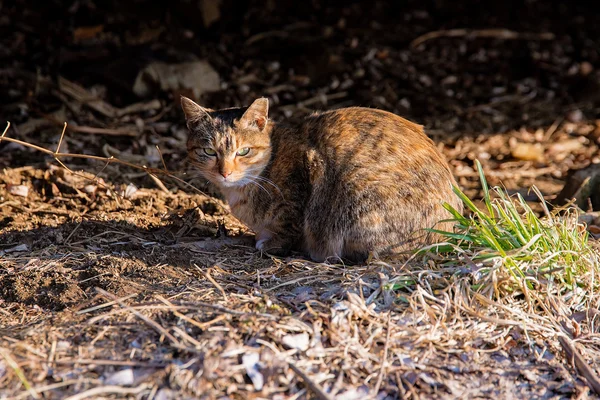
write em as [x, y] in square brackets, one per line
[112, 289]
[134, 296]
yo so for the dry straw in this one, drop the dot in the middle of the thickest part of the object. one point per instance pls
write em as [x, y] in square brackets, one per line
[504, 278]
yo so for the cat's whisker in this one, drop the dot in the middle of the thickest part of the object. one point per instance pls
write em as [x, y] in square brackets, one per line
[253, 171]
[260, 186]
[270, 182]
[263, 179]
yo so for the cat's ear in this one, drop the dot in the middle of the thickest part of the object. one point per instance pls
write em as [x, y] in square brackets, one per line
[257, 114]
[194, 114]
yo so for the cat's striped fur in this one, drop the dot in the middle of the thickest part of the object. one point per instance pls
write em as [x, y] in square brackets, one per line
[342, 183]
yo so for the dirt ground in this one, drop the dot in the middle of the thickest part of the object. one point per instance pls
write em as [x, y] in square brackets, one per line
[116, 285]
[186, 264]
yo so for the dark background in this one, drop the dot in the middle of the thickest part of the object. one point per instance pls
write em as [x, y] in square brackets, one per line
[304, 56]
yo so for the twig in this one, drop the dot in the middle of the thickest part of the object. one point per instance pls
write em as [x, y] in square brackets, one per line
[109, 389]
[504, 34]
[68, 239]
[5, 130]
[293, 281]
[312, 385]
[52, 351]
[320, 98]
[187, 337]
[107, 160]
[101, 306]
[191, 306]
[158, 181]
[215, 283]
[62, 136]
[386, 348]
[160, 185]
[161, 158]
[512, 173]
[5, 353]
[153, 324]
[104, 131]
[129, 130]
[137, 107]
[119, 363]
[46, 388]
[83, 96]
[75, 155]
[184, 317]
[550, 131]
[264, 35]
[580, 364]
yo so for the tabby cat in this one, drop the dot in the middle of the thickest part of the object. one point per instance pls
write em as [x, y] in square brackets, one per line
[341, 184]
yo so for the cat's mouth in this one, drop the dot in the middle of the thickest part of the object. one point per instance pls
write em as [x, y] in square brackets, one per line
[229, 182]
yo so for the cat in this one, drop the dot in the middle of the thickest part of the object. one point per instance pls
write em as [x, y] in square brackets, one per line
[347, 184]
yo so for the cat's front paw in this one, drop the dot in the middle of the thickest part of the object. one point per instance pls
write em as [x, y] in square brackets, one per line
[261, 243]
[272, 246]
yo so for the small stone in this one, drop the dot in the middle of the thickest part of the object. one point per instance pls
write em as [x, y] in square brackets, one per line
[575, 116]
[586, 68]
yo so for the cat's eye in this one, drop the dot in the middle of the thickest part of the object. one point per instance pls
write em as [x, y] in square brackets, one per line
[210, 152]
[243, 151]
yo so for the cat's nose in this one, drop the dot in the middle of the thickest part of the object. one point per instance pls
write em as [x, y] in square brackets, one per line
[225, 173]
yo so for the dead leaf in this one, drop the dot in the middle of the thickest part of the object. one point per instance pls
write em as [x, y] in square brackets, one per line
[529, 375]
[561, 150]
[595, 229]
[250, 362]
[87, 32]
[17, 249]
[90, 189]
[211, 11]
[584, 186]
[18, 190]
[527, 151]
[198, 77]
[298, 342]
[123, 377]
[588, 218]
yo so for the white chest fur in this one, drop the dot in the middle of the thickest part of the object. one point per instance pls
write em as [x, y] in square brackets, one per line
[240, 207]
[243, 210]
[234, 197]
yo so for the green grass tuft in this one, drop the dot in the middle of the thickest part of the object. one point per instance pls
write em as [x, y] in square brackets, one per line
[510, 247]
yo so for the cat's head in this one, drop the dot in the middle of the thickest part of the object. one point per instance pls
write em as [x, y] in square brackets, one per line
[230, 147]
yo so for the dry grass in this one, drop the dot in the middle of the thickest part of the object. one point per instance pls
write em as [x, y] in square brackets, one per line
[150, 311]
